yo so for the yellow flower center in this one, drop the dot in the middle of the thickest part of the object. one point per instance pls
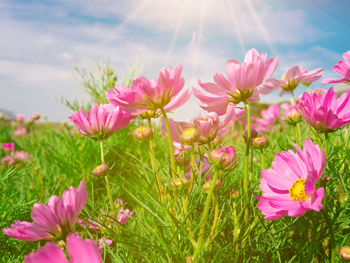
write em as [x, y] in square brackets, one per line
[297, 191]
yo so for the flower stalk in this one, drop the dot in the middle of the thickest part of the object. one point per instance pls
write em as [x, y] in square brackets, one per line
[154, 164]
[171, 147]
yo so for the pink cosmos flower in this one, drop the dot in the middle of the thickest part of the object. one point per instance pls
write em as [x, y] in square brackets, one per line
[208, 125]
[53, 220]
[36, 116]
[21, 156]
[240, 84]
[342, 68]
[79, 251]
[176, 130]
[8, 160]
[224, 156]
[166, 93]
[269, 117]
[293, 115]
[8, 147]
[203, 167]
[124, 214]
[324, 111]
[289, 187]
[20, 118]
[100, 122]
[103, 242]
[293, 77]
[20, 131]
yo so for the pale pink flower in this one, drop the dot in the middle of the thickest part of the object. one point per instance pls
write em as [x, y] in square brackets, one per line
[52, 220]
[324, 111]
[203, 167]
[342, 68]
[293, 115]
[124, 214]
[142, 96]
[79, 251]
[293, 77]
[21, 156]
[224, 157]
[8, 160]
[289, 187]
[8, 147]
[241, 82]
[100, 122]
[103, 242]
[208, 125]
[20, 131]
[20, 118]
[36, 116]
[176, 130]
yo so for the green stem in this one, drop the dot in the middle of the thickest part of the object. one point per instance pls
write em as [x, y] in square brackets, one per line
[171, 147]
[246, 157]
[108, 187]
[193, 168]
[251, 164]
[326, 138]
[262, 160]
[205, 214]
[154, 164]
[216, 218]
[297, 127]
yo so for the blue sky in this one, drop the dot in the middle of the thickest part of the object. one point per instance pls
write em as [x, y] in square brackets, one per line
[41, 41]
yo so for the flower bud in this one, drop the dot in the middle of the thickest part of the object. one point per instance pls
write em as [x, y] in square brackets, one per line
[261, 142]
[327, 179]
[253, 134]
[181, 161]
[177, 183]
[344, 252]
[143, 133]
[101, 170]
[20, 118]
[36, 116]
[293, 115]
[189, 136]
[224, 157]
[234, 193]
[217, 186]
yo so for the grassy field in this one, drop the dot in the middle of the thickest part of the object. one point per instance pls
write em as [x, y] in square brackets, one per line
[60, 157]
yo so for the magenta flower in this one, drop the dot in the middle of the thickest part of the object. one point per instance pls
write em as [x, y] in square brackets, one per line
[103, 242]
[79, 251]
[269, 117]
[53, 220]
[289, 187]
[342, 68]
[240, 84]
[293, 77]
[166, 93]
[100, 122]
[324, 111]
[8, 147]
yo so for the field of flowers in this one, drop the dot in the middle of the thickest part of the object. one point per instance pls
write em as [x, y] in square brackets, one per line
[123, 182]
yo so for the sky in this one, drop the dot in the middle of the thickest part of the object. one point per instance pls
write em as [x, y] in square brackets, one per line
[41, 42]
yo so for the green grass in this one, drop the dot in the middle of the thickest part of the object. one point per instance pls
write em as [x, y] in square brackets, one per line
[61, 158]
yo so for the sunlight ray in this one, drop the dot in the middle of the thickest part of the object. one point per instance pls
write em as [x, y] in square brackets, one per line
[233, 16]
[260, 25]
[177, 30]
